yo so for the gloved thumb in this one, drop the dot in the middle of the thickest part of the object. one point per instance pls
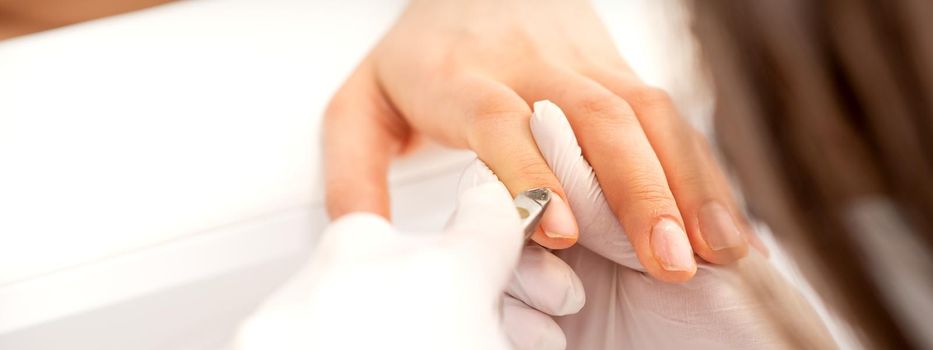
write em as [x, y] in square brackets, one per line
[487, 228]
[600, 231]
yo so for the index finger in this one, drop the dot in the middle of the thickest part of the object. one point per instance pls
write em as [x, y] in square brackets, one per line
[497, 127]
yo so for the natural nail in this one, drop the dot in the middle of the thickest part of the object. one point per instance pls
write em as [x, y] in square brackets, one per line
[558, 220]
[718, 228]
[671, 247]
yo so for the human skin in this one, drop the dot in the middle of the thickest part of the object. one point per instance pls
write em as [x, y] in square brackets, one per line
[20, 17]
[464, 73]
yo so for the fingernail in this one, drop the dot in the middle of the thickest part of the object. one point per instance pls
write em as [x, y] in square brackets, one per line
[671, 247]
[718, 228]
[558, 220]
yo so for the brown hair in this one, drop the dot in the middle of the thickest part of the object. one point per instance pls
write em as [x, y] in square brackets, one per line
[825, 111]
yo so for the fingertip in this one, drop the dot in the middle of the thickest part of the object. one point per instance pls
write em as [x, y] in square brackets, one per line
[558, 220]
[671, 256]
[543, 240]
[724, 256]
[546, 110]
[552, 131]
[656, 271]
[558, 229]
[528, 328]
[674, 276]
[719, 240]
[546, 283]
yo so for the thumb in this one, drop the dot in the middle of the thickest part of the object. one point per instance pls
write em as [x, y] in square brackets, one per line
[361, 134]
[600, 231]
[488, 229]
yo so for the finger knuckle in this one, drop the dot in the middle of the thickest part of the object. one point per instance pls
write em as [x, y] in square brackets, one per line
[646, 189]
[494, 116]
[495, 108]
[606, 110]
[649, 97]
[600, 104]
[694, 180]
[693, 187]
[533, 170]
[652, 195]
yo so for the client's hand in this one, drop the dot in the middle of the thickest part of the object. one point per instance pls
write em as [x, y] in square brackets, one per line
[625, 309]
[371, 287]
[464, 73]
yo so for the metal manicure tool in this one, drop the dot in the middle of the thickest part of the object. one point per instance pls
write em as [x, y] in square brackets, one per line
[531, 205]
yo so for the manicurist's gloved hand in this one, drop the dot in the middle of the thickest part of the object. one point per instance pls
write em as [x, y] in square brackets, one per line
[371, 287]
[627, 309]
[464, 73]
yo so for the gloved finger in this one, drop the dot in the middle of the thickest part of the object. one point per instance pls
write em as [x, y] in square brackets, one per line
[628, 168]
[530, 329]
[546, 283]
[714, 232]
[602, 232]
[487, 229]
[361, 133]
[496, 128]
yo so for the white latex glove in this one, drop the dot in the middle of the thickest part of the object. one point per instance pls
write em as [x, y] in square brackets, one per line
[542, 286]
[372, 287]
[625, 308]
